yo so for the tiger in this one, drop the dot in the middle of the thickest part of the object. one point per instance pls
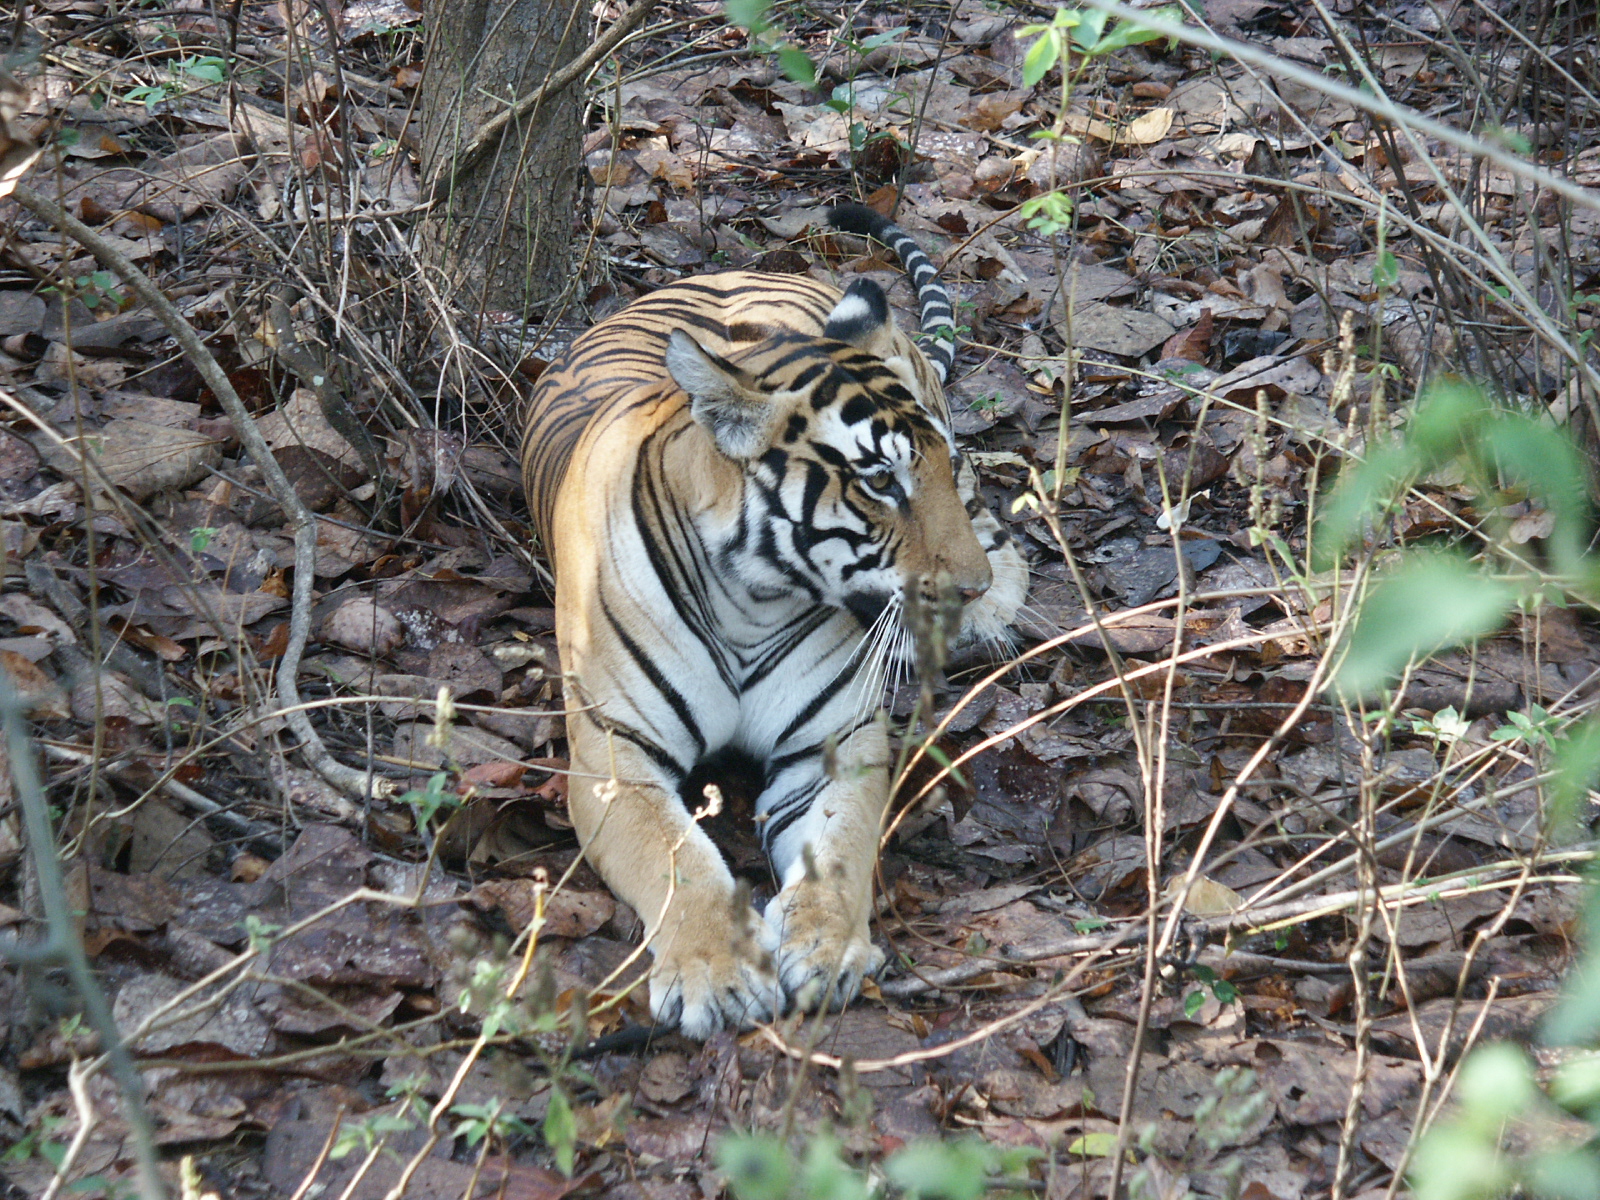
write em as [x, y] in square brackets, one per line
[744, 483]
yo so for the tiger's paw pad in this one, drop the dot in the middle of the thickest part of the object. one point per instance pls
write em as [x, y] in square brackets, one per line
[716, 978]
[821, 943]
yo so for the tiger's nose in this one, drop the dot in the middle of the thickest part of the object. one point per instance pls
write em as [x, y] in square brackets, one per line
[972, 591]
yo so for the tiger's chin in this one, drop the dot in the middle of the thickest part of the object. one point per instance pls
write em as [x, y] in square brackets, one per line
[984, 627]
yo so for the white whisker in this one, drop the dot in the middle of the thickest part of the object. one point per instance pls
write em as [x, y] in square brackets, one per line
[874, 657]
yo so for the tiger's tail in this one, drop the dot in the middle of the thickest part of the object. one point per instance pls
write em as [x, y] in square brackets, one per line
[937, 317]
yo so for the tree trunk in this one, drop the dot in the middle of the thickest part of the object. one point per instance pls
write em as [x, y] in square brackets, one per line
[501, 229]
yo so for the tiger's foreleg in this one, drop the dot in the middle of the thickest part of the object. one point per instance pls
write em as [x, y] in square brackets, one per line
[824, 849]
[713, 954]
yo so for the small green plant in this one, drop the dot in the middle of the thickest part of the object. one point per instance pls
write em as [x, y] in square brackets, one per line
[1445, 727]
[1462, 1158]
[200, 537]
[364, 1133]
[187, 75]
[758, 1166]
[94, 289]
[561, 1130]
[1082, 31]
[38, 1142]
[1433, 597]
[1536, 727]
[1231, 1108]
[260, 934]
[1210, 981]
[1072, 39]
[767, 37]
[488, 1120]
[426, 802]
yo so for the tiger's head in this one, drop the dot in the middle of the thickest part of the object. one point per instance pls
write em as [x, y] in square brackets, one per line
[851, 485]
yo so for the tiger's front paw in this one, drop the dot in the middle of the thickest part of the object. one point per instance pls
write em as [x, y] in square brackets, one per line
[824, 951]
[711, 974]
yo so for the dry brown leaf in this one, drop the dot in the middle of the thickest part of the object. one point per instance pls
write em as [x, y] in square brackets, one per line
[300, 422]
[42, 695]
[233, 1024]
[143, 458]
[341, 549]
[33, 617]
[363, 625]
[1125, 331]
[467, 746]
[109, 694]
[568, 913]
[1149, 128]
[1207, 898]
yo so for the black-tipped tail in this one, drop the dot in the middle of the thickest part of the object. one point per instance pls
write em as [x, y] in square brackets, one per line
[861, 221]
[937, 318]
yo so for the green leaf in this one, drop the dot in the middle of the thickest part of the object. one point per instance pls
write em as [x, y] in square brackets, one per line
[1449, 416]
[882, 39]
[824, 1175]
[1091, 23]
[1362, 493]
[1094, 1145]
[1452, 1163]
[945, 1170]
[561, 1131]
[750, 15]
[1134, 33]
[797, 66]
[1426, 603]
[1129, 33]
[1545, 461]
[1495, 1084]
[1576, 1020]
[211, 69]
[1577, 763]
[1193, 1002]
[1514, 140]
[1576, 1084]
[1041, 56]
[1567, 1175]
[1385, 271]
[757, 1166]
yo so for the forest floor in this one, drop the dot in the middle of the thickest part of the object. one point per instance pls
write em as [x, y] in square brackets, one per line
[1144, 901]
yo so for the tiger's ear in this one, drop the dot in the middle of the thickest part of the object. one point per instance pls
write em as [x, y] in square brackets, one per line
[862, 319]
[720, 397]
